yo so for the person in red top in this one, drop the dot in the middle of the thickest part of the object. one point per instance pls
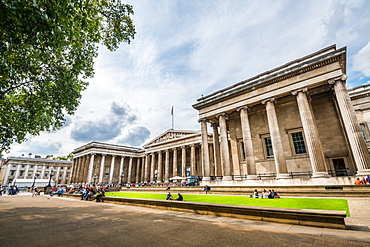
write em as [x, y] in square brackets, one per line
[358, 181]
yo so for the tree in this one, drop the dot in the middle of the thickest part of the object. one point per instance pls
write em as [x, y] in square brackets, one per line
[66, 157]
[47, 49]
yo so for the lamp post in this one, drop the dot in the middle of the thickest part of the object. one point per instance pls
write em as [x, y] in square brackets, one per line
[95, 177]
[34, 180]
[51, 174]
[120, 183]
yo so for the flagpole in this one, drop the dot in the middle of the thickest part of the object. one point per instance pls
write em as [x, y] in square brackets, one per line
[172, 122]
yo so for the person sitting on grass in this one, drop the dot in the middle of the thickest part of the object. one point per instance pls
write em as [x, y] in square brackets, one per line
[179, 198]
[271, 195]
[255, 194]
[169, 196]
[99, 197]
[275, 194]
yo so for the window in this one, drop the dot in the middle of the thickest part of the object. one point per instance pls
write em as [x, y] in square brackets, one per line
[106, 171]
[268, 147]
[242, 151]
[31, 166]
[11, 173]
[298, 143]
[23, 166]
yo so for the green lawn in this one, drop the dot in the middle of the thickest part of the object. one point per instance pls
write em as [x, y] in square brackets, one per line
[297, 203]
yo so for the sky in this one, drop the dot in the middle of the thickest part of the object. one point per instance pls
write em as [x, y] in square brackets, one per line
[185, 49]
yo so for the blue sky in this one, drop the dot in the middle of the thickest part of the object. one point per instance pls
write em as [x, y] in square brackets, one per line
[184, 49]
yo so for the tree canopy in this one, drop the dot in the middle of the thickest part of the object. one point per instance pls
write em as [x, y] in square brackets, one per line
[47, 50]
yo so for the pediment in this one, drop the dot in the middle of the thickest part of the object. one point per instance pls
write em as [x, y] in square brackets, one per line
[170, 135]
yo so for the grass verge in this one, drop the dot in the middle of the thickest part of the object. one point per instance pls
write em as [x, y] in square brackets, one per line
[295, 203]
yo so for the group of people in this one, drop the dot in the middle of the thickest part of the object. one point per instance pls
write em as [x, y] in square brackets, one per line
[271, 194]
[169, 197]
[362, 181]
[89, 192]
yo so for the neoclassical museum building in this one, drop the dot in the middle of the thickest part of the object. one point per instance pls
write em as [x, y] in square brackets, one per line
[293, 125]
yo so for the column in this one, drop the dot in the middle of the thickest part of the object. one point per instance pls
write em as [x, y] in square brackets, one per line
[42, 171]
[111, 170]
[353, 130]
[26, 172]
[193, 172]
[101, 172]
[167, 167]
[205, 150]
[7, 172]
[91, 168]
[248, 144]
[183, 161]
[17, 172]
[146, 178]
[78, 170]
[311, 134]
[225, 154]
[34, 171]
[175, 172]
[142, 169]
[129, 170]
[277, 144]
[64, 181]
[137, 170]
[160, 167]
[57, 175]
[216, 151]
[73, 170]
[121, 169]
[85, 168]
[152, 167]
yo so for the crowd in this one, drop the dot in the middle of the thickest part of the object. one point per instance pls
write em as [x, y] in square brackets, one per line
[271, 194]
[362, 181]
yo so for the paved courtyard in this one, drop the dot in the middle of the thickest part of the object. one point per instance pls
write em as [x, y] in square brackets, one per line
[41, 221]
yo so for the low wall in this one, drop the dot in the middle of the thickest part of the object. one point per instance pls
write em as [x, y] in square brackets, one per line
[317, 218]
[303, 191]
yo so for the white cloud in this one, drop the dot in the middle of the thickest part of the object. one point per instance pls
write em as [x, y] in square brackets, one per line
[361, 61]
[187, 48]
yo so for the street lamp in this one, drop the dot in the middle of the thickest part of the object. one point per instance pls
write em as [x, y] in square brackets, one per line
[95, 177]
[51, 174]
[34, 180]
[120, 183]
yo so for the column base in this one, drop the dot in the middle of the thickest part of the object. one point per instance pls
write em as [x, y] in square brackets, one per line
[320, 175]
[206, 179]
[252, 177]
[227, 178]
[365, 172]
[283, 176]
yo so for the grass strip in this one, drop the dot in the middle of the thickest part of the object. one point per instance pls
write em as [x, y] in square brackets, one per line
[294, 203]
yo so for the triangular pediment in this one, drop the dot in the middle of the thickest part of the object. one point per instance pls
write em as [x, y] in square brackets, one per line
[170, 135]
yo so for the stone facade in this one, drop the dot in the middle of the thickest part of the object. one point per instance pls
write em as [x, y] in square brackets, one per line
[174, 153]
[297, 119]
[293, 125]
[22, 169]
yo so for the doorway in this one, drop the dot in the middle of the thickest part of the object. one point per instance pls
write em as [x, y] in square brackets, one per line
[339, 167]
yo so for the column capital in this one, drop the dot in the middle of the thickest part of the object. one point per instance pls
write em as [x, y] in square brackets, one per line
[302, 90]
[192, 145]
[272, 100]
[214, 124]
[174, 149]
[243, 108]
[202, 120]
[224, 115]
[332, 81]
[183, 147]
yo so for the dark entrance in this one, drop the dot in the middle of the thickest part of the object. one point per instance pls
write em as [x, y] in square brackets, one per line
[340, 167]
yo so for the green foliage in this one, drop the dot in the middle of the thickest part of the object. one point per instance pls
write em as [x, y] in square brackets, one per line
[65, 157]
[296, 203]
[47, 50]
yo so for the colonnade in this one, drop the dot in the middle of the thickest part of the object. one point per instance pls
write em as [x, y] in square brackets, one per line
[156, 166]
[61, 174]
[221, 147]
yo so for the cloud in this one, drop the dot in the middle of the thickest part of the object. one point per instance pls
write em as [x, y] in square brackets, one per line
[101, 130]
[135, 136]
[40, 147]
[105, 128]
[361, 61]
